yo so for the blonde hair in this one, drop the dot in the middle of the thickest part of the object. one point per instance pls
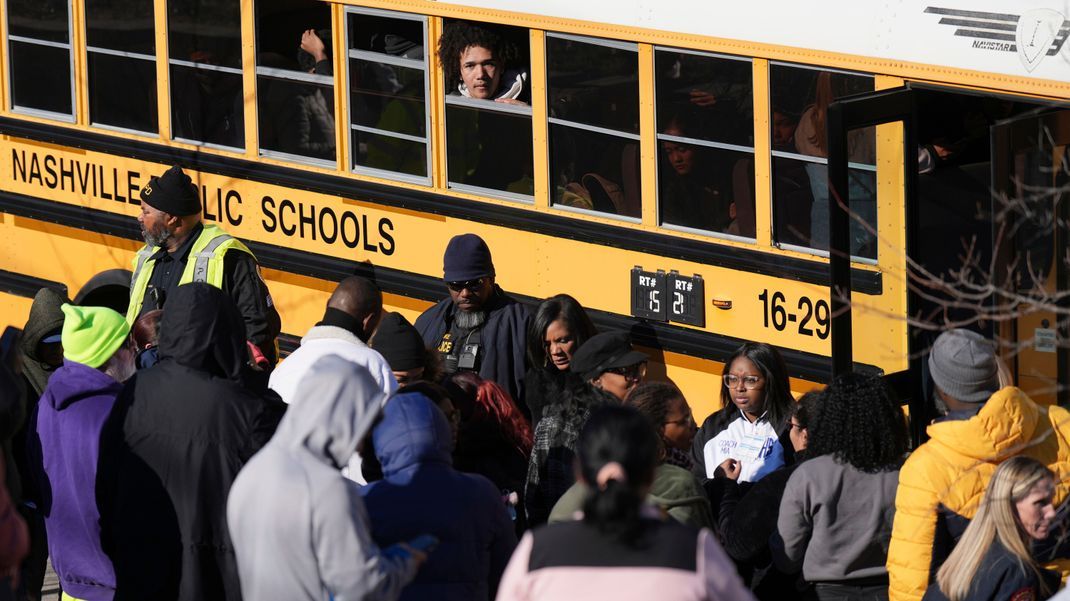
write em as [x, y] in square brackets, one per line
[996, 519]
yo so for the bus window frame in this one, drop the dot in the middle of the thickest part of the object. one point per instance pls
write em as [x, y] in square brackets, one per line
[175, 62]
[69, 46]
[659, 137]
[816, 252]
[637, 137]
[495, 107]
[351, 127]
[292, 76]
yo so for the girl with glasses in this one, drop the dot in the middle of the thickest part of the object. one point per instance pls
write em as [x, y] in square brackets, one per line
[749, 434]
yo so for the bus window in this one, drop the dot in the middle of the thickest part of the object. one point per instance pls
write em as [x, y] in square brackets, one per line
[593, 97]
[121, 51]
[799, 97]
[388, 90]
[294, 80]
[705, 142]
[488, 113]
[39, 51]
[204, 40]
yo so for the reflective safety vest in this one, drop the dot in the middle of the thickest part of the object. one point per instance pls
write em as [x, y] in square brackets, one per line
[205, 264]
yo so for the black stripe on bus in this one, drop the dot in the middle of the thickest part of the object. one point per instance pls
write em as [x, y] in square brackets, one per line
[706, 253]
[653, 335]
[27, 286]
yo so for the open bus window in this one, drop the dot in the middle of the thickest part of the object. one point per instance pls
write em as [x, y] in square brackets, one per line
[593, 97]
[799, 101]
[121, 52]
[294, 80]
[705, 142]
[39, 48]
[204, 39]
[388, 89]
[488, 113]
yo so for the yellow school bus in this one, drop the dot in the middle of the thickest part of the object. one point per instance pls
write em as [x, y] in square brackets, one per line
[670, 165]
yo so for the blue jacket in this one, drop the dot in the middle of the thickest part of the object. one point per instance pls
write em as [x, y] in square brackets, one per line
[421, 493]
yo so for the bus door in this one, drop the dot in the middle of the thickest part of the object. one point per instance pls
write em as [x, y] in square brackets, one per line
[853, 113]
[1030, 190]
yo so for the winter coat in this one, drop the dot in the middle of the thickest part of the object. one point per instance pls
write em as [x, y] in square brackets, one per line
[14, 536]
[504, 338]
[545, 386]
[761, 447]
[421, 493]
[182, 431]
[64, 450]
[835, 521]
[574, 560]
[1002, 577]
[674, 491]
[941, 484]
[299, 527]
[319, 342]
[45, 317]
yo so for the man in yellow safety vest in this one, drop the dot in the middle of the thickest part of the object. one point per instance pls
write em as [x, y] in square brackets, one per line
[180, 248]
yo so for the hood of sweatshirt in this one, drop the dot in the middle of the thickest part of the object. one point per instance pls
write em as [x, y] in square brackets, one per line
[336, 405]
[45, 316]
[413, 431]
[202, 329]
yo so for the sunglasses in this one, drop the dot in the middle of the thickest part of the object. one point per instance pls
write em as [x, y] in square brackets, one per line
[472, 285]
[629, 372]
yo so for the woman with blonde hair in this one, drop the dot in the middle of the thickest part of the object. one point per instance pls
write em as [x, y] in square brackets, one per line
[993, 559]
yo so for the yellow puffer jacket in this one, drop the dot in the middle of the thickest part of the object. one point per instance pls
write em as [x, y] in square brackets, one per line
[941, 484]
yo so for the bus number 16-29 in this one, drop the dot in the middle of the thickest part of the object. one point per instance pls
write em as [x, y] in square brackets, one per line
[774, 310]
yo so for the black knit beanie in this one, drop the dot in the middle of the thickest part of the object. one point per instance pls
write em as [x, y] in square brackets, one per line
[173, 193]
[399, 343]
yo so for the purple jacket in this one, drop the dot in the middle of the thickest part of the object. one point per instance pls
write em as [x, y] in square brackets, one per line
[63, 451]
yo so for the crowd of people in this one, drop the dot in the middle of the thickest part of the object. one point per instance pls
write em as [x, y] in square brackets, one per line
[490, 450]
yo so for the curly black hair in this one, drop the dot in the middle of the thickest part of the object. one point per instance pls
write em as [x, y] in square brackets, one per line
[859, 422]
[459, 35]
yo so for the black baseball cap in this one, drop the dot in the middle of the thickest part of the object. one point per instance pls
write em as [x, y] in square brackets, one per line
[605, 351]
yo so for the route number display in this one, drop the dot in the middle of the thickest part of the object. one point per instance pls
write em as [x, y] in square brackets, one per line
[649, 294]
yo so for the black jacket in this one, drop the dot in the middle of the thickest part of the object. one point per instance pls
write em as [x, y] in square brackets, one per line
[504, 338]
[1002, 577]
[544, 386]
[180, 432]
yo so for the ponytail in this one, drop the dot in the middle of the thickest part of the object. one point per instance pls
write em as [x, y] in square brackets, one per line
[617, 450]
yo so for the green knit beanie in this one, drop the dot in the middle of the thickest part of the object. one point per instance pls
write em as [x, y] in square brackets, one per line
[91, 335]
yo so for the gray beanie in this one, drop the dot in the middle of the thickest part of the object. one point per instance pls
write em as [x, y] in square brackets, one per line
[963, 365]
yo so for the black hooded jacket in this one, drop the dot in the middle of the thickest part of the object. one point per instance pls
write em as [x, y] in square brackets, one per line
[180, 432]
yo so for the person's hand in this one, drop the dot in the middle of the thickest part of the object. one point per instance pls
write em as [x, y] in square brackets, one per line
[418, 556]
[312, 44]
[731, 468]
[701, 98]
[511, 101]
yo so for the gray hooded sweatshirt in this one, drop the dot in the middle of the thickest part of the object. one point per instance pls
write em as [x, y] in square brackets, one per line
[298, 526]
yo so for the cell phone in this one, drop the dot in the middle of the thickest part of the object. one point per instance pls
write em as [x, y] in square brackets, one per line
[424, 543]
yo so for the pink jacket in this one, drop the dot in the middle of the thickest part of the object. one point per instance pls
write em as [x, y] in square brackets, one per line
[572, 561]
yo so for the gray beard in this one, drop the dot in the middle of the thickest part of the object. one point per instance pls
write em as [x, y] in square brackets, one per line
[156, 239]
[469, 320]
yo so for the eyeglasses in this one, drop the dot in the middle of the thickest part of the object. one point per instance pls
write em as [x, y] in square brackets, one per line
[472, 285]
[797, 426]
[749, 382]
[629, 372]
